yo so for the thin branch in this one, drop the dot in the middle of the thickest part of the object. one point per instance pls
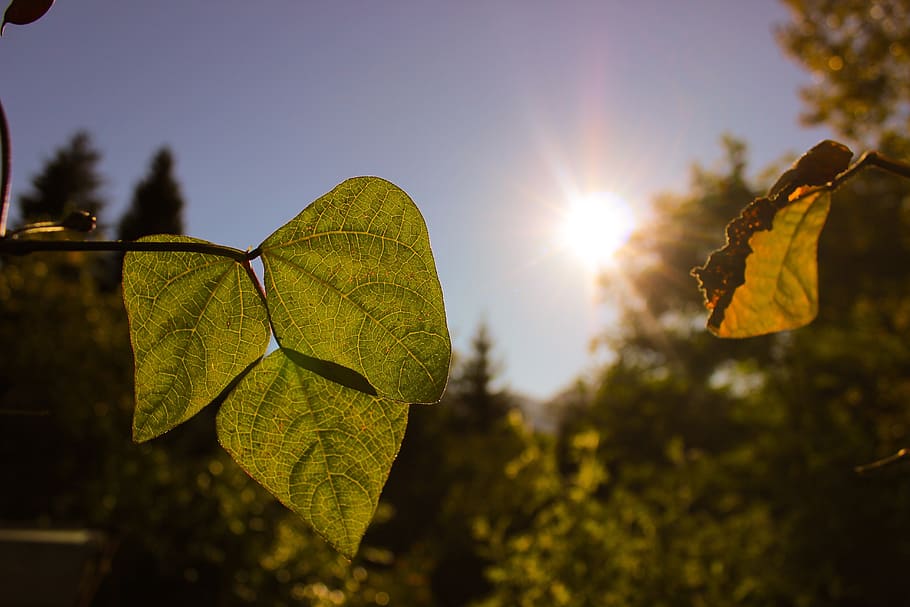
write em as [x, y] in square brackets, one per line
[871, 159]
[5, 170]
[885, 461]
[15, 246]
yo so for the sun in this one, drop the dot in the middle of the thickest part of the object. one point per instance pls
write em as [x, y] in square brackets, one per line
[595, 226]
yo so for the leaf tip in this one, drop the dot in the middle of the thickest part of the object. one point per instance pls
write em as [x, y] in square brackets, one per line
[141, 435]
[348, 549]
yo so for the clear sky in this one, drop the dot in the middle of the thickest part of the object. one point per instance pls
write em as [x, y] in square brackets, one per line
[485, 112]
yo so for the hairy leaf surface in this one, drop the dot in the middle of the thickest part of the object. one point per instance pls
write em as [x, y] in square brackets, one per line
[351, 280]
[323, 449]
[196, 322]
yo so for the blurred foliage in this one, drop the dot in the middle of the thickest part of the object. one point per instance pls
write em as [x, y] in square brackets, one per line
[859, 53]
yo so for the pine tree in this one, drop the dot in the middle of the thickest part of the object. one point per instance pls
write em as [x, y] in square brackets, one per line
[157, 202]
[475, 400]
[69, 182]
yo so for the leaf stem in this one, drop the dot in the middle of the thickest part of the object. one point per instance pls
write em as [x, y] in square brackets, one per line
[5, 170]
[259, 288]
[15, 246]
[872, 159]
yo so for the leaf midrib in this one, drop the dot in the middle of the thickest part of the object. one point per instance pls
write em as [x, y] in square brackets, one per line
[790, 244]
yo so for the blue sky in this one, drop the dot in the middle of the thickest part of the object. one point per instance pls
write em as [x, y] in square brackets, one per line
[485, 112]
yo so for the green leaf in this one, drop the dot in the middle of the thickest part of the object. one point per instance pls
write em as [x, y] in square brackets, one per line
[196, 323]
[780, 291]
[351, 280]
[322, 449]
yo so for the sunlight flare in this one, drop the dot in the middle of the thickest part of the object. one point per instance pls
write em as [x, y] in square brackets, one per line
[595, 226]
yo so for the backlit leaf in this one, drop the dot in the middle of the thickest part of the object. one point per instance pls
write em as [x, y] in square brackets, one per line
[352, 280]
[324, 450]
[765, 278]
[780, 291]
[196, 323]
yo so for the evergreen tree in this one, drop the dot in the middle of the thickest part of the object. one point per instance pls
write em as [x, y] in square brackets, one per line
[68, 182]
[157, 204]
[476, 402]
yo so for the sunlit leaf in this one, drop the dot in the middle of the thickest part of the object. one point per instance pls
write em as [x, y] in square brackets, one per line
[780, 291]
[322, 449]
[355, 301]
[196, 322]
[352, 280]
[765, 279]
[23, 12]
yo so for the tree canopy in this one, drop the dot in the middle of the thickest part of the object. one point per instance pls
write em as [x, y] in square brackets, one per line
[860, 55]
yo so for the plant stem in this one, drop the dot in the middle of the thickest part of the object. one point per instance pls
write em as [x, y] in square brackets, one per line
[15, 246]
[5, 169]
[872, 159]
[260, 290]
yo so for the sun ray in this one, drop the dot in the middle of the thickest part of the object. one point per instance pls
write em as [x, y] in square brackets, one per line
[595, 226]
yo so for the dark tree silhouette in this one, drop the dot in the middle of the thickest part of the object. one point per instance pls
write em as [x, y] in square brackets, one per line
[69, 182]
[157, 205]
[472, 395]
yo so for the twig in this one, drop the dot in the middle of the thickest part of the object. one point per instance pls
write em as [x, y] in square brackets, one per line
[881, 463]
[871, 159]
[15, 246]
